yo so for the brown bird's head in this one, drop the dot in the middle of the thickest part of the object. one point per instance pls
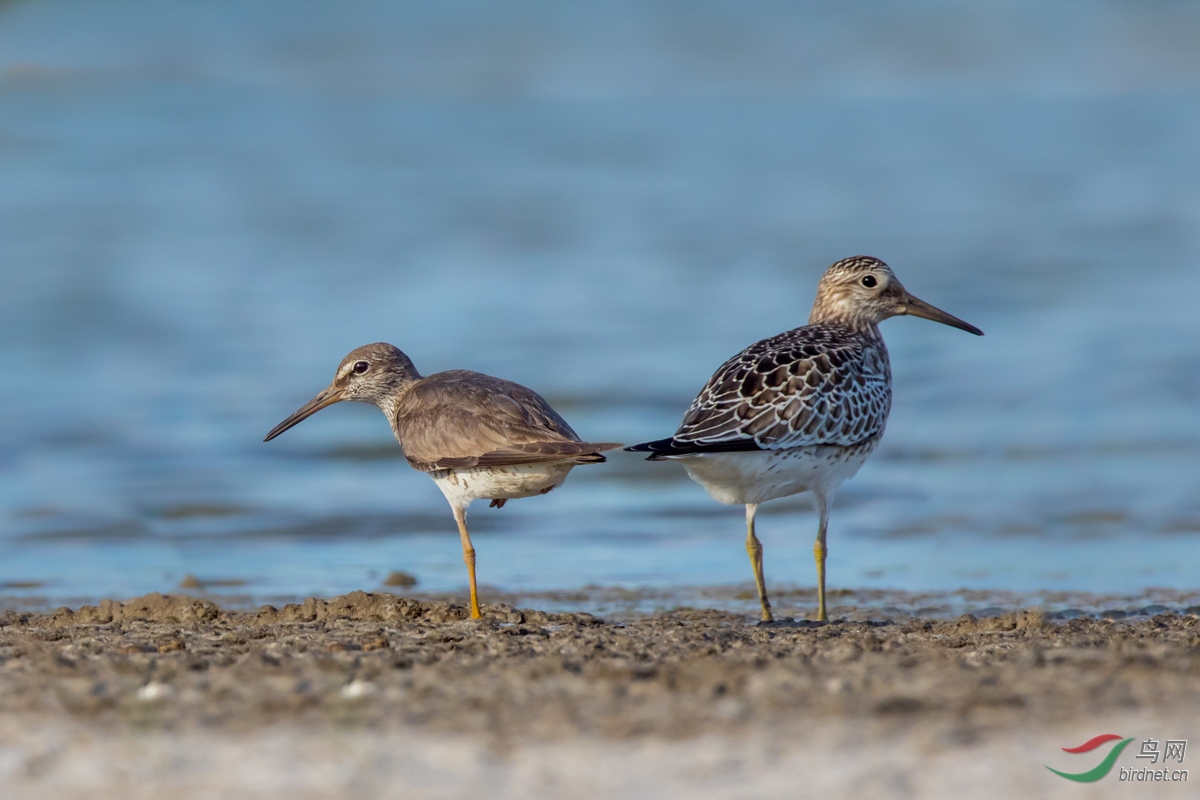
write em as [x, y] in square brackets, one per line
[374, 373]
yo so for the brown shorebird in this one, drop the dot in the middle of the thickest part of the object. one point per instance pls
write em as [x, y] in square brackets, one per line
[477, 436]
[801, 411]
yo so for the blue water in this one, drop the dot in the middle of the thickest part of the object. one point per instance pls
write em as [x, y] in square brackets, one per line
[204, 206]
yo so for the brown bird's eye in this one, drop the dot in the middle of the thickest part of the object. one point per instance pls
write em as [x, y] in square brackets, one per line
[869, 281]
[361, 367]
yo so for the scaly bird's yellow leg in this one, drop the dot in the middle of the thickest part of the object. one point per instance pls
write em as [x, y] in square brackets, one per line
[755, 550]
[460, 516]
[820, 551]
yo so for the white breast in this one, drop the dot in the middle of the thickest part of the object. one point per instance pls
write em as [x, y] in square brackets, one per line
[461, 486]
[756, 476]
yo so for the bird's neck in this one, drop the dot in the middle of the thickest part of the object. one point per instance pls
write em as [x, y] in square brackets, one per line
[389, 403]
[844, 318]
[833, 309]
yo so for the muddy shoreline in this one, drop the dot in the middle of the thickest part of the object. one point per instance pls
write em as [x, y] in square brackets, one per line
[379, 661]
[378, 695]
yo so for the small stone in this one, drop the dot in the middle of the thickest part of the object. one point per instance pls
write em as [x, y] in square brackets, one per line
[154, 691]
[191, 582]
[357, 689]
[1071, 613]
[397, 578]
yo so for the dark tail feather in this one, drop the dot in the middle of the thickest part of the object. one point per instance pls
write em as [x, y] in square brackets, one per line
[594, 457]
[665, 448]
[658, 449]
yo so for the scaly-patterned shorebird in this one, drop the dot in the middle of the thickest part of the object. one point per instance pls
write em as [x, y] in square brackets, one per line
[475, 435]
[801, 411]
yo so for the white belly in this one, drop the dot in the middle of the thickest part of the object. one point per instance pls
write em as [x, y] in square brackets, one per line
[757, 476]
[461, 486]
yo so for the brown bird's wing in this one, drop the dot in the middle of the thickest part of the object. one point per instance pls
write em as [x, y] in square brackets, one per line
[460, 419]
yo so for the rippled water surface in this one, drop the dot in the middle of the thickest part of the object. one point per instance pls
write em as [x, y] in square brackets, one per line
[204, 206]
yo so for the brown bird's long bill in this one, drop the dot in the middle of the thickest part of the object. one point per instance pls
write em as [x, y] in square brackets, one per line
[919, 308]
[325, 398]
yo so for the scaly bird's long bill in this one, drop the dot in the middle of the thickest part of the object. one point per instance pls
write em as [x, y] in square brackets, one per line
[917, 307]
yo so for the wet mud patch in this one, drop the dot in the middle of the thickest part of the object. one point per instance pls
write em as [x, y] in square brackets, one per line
[379, 661]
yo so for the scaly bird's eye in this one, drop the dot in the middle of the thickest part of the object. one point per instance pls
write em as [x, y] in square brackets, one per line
[869, 281]
[361, 367]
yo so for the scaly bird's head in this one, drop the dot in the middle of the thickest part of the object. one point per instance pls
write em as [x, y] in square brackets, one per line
[861, 292]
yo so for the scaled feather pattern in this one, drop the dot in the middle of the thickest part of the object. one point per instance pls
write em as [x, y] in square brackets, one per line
[818, 384]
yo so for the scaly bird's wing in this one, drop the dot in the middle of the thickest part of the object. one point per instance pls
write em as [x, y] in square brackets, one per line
[812, 385]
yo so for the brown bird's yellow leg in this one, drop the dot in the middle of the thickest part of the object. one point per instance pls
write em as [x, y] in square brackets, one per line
[819, 553]
[755, 550]
[460, 516]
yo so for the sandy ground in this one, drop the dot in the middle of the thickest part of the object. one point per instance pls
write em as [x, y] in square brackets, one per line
[375, 695]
